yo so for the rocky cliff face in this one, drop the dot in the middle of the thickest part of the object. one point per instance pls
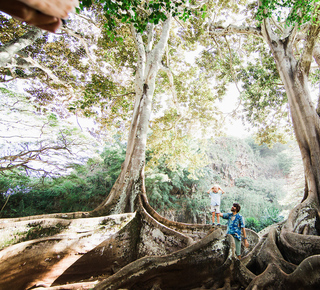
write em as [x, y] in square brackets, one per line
[233, 158]
[230, 159]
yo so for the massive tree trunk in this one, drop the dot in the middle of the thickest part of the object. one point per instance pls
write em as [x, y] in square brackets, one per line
[294, 247]
[122, 195]
[288, 256]
[305, 119]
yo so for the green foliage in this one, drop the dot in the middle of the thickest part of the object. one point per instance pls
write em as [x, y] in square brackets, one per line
[161, 182]
[12, 179]
[159, 192]
[271, 215]
[100, 92]
[244, 182]
[176, 190]
[113, 157]
[56, 195]
[195, 204]
[268, 217]
[258, 200]
[253, 224]
[82, 190]
[294, 11]
[139, 14]
[264, 99]
[285, 163]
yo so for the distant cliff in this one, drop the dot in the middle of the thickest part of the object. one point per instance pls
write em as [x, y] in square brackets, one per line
[232, 158]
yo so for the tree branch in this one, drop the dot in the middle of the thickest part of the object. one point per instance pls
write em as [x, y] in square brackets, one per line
[76, 35]
[157, 52]
[231, 65]
[21, 159]
[233, 29]
[313, 34]
[173, 90]
[140, 49]
[150, 33]
[8, 50]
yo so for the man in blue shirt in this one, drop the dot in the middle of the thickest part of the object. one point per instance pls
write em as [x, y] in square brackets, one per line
[235, 226]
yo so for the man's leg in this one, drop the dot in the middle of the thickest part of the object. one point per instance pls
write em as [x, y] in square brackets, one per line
[238, 247]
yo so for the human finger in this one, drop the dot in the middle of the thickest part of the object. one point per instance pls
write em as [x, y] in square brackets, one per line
[51, 27]
[15, 8]
[57, 8]
[43, 21]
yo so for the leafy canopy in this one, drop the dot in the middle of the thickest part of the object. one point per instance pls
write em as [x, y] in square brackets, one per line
[139, 13]
[298, 11]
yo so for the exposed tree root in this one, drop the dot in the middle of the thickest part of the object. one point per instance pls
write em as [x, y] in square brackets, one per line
[42, 260]
[265, 253]
[149, 234]
[306, 277]
[208, 262]
[140, 237]
[151, 252]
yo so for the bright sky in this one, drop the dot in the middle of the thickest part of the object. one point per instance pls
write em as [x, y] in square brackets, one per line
[235, 128]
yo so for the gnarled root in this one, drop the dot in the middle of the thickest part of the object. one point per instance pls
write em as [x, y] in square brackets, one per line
[207, 263]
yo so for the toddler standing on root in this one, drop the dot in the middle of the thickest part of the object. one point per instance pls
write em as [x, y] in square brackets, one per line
[215, 193]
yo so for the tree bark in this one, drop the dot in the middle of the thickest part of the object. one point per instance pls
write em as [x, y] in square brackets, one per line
[10, 49]
[126, 188]
[150, 251]
[304, 116]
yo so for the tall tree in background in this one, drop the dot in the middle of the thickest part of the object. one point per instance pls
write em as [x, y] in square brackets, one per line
[291, 32]
[149, 54]
[138, 49]
[152, 53]
[66, 76]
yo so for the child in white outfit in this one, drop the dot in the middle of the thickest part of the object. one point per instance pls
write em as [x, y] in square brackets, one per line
[215, 193]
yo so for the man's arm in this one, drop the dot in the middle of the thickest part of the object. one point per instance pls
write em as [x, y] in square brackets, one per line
[246, 243]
